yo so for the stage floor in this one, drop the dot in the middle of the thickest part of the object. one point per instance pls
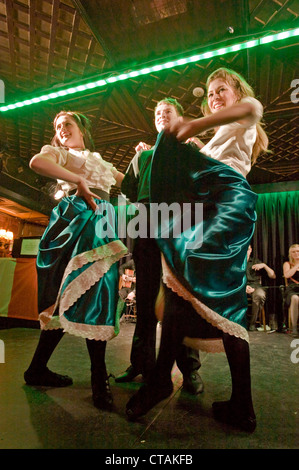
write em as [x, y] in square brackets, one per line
[49, 418]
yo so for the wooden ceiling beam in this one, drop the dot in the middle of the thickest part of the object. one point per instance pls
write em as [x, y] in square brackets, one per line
[79, 5]
[11, 35]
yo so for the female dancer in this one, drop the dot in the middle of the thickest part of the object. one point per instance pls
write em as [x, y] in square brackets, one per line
[291, 273]
[206, 281]
[76, 263]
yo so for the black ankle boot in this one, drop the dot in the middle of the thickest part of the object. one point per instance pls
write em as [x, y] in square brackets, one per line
[101, 393]
[228, 413]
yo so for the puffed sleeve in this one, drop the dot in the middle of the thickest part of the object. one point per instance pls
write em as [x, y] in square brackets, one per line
[58, 153]
[99, 172]
[258, 111]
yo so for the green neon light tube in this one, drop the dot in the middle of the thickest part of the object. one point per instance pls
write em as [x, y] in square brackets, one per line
[155, 68]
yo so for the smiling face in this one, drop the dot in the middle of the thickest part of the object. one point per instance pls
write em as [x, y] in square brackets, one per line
[294, 254]
[165, 115]
[68, 132]
[221, 95]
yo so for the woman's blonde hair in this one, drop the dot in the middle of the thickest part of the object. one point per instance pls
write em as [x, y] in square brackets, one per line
[82, 122]
[291, 259]
[243, 89]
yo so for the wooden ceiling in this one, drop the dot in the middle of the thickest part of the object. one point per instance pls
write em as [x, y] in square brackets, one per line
[46, 45]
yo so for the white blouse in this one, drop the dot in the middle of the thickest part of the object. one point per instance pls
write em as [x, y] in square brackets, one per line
[90, 165]
[232, 144]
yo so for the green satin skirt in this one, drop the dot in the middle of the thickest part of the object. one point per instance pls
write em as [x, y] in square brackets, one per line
[78, 270]
[206, 263]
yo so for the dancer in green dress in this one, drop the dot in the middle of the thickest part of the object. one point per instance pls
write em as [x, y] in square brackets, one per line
[204, 269]
[78, 253]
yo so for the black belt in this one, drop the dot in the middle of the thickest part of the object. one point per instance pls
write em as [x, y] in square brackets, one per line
[98, 192]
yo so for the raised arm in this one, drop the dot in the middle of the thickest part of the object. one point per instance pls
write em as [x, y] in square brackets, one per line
[44, 164]
[242, 112]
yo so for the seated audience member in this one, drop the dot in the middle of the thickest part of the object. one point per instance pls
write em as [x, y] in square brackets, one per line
[127, 283]
[291, 273]
[127, 278]
[254, 286]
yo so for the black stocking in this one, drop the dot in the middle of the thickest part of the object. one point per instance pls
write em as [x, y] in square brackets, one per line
[101, 392]
[238, 356]
[96, 350]
[173, 332]
[48, 341]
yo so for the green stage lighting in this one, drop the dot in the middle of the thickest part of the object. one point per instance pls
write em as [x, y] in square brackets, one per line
[155, 68]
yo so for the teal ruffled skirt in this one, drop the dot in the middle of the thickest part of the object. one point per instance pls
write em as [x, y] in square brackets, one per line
[78, 270]
[206, 263]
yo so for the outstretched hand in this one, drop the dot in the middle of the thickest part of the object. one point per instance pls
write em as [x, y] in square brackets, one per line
[185, 132]
[84, 192]
[142, 146]
[184, 129]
